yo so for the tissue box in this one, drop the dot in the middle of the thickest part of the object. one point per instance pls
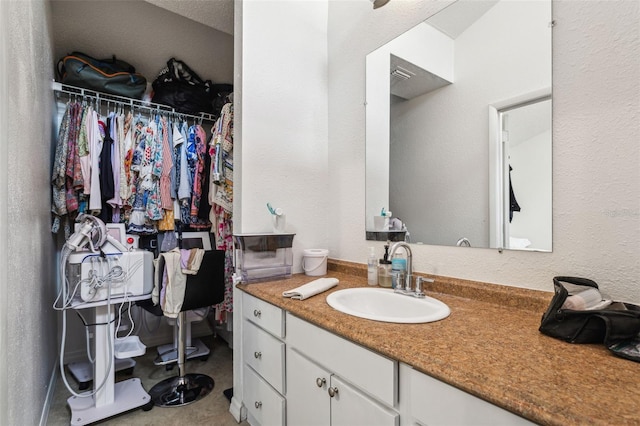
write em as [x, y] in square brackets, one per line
[260, 257]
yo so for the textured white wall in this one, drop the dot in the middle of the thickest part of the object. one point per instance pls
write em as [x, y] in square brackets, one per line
[596, 173]
[28, 332]
[284, 122]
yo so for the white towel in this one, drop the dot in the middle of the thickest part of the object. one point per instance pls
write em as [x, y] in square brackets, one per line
[311, 289]
[586, 300]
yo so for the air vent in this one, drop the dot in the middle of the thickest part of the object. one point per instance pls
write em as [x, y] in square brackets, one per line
[402, 73]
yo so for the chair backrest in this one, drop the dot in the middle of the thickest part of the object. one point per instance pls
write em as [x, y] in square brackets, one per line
[207, 287]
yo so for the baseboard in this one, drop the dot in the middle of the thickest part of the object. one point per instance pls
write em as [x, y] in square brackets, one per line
[48, 401]
[237, 410]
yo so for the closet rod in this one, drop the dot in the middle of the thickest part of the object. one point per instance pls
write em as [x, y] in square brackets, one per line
[124, 101]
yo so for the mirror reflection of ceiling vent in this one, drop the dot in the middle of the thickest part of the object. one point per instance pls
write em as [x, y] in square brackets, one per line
[409, 80]
[401, 73]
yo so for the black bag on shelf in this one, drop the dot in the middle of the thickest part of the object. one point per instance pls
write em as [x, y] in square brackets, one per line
[180, 87]
[221, 96]
[616, 325]
[112, 76]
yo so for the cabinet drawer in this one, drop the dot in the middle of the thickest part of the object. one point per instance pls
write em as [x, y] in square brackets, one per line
[265, 354]
[371, 372]
[264, 404]
[264, 314]
[432, 402]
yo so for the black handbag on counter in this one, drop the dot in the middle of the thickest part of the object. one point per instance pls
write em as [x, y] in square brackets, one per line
[617, 325]
[112, 76]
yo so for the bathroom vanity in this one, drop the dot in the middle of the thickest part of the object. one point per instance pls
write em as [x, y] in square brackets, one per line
[306, 363]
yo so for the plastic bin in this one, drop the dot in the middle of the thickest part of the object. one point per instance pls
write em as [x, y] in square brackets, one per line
[260, 257]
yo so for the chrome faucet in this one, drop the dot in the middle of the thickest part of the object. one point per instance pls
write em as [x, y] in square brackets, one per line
[404, 284]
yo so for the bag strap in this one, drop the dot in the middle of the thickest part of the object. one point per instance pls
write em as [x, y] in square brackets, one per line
[60, 69]
[180, 71]
[575, 280]
[112, 64]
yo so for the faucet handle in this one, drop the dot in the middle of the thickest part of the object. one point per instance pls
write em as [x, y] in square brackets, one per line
[419, 281]
[408, 283]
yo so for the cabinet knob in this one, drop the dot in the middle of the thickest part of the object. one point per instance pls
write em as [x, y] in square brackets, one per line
[256, 313]
[258, 404]
[333, 391]
[257, 355]
[321, 381]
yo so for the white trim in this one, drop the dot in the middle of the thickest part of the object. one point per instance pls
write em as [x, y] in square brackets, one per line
[497, 183]
[48, 402]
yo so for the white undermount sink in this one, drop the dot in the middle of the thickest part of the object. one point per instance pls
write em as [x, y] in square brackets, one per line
[385, 305]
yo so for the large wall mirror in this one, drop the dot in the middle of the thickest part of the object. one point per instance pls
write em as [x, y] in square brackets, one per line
[459, 129]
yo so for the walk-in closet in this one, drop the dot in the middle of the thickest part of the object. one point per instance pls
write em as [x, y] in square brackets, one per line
[152, 168]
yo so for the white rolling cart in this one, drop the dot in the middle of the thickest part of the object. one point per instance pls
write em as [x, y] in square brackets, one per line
[111, 398]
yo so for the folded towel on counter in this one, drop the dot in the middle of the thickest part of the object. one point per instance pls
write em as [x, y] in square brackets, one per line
[586, 300]
[311, 289]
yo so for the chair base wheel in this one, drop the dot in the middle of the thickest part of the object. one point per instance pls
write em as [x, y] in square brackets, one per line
[179, 391]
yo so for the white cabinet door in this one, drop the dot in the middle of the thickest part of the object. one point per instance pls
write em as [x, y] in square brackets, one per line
[367, 370]
[432, 402]
[308, 402]
[350, 407]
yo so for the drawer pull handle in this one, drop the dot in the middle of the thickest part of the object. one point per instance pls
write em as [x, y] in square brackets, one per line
[333, 391]
[256, 313]
[257, 355]
[258, 404]
[321, 381]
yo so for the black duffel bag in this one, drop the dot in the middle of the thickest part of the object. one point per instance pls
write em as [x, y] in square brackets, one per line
[112, 76]
[180, 87]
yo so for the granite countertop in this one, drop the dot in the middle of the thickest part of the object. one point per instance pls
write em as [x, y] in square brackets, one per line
[489, 346]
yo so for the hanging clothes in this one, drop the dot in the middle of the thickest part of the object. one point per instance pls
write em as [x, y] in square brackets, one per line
[107, 188]
[145, 173]
[220, 198]
[148, 173]
[58, 176]
[96, 137]
[513, 203]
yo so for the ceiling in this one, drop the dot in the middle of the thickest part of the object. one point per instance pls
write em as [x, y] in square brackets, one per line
[216, 14]
[456, 18]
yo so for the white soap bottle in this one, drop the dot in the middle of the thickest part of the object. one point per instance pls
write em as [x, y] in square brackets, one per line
[372, 267]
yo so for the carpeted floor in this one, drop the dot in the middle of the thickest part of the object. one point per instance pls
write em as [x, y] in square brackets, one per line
[211, 410]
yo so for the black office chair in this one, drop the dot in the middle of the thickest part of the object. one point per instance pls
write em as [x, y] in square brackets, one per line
[202, 290]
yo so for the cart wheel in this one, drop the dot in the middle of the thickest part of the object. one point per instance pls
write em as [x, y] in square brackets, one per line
[148, 406]
[169, 367]
[128, 371]
[83, 385]
[204, 358]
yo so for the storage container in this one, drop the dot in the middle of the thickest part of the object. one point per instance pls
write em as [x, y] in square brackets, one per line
[260, 257]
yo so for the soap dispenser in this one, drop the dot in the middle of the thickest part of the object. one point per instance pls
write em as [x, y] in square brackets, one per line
[398, 270]
[384, 269]
[372, 267]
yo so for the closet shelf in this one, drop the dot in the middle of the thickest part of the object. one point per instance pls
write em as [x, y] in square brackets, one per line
[58, 87]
